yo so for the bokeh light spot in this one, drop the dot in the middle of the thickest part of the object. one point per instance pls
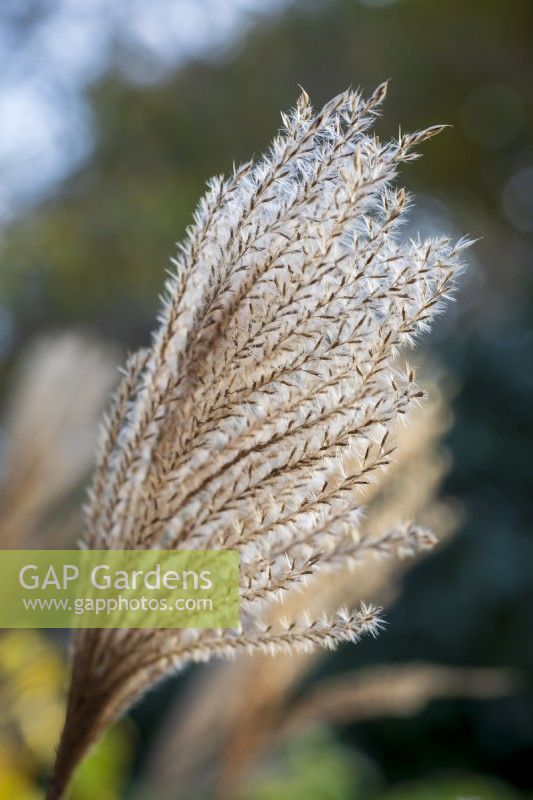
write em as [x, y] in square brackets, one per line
[492, 115]
[517, 199]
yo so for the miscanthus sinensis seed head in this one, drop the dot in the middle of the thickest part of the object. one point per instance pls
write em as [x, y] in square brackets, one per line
[269, 396]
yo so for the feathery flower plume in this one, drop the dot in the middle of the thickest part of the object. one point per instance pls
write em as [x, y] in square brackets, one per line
[49, 434]
[268, 398]
[213, 740]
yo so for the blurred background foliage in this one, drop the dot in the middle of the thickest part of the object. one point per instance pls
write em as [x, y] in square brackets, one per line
[112, 119]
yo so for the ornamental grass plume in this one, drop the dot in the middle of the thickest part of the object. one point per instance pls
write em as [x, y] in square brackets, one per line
[394, 690]
[49, 428]
[268, 399]
[213, 741]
